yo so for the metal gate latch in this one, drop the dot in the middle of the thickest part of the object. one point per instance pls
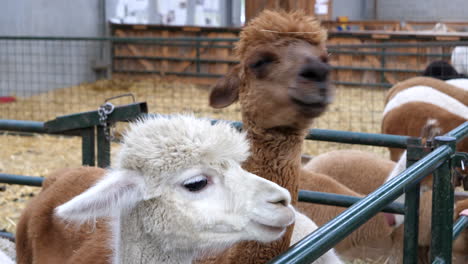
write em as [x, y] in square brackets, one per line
[104, 111]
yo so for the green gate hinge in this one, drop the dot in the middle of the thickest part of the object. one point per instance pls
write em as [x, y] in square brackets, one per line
[91, 118]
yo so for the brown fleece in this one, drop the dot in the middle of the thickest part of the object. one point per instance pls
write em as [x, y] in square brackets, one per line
[276, 26]
[375, 228]
[361, 171]
[41, 238]
[448, 89]
[399, 122]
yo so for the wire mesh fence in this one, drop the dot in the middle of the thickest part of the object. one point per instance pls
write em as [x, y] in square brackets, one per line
[50, 76]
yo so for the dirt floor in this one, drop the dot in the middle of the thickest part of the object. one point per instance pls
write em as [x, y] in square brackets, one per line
[354, 109]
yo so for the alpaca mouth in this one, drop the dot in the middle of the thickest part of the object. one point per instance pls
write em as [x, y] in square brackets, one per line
[270, 228]
[302, 103]
[310, 109]
[311, 102]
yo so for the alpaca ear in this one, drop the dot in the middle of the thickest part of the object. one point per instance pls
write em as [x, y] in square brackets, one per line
[226, 90]
[117, 191]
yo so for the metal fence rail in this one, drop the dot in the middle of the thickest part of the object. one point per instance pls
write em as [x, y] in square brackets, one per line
[443, 230]
[324, 238]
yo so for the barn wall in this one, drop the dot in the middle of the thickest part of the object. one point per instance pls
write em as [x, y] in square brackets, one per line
[422, 10]
[29, 67]
[353, 9]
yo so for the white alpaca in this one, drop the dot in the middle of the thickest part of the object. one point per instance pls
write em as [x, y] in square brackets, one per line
[7, 251]
[178, 190]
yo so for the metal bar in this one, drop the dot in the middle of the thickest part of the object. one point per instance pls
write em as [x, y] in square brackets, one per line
[201, 74]
[360, 138]
[400, 45]
[21, 179]
[343, 201]
[442, 206]
[174, 59]
[411, 224]
[181, 44]
[120, 39]
[460, 225]
[103, 148]
[382, 65]
[376, 53]
[88, 146]
[89, 119]
[375, 69]
[324, 238]
[8, 235]
[197, 57]
[161, 39]
[460, 132]
[22, 126]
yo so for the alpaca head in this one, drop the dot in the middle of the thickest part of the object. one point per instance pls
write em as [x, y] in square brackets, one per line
[180, 178]
[283, 76]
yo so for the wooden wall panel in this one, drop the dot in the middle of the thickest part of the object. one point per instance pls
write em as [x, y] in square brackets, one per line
[140, 59]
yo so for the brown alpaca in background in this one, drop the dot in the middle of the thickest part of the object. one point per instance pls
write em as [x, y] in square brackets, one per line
[282, 84]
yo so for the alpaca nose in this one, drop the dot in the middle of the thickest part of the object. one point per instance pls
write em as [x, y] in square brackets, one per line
[282, 202]
[280, 197]
[315, 70]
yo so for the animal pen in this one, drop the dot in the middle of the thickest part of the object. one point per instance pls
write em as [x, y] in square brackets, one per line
[441, 161]
[170, 67]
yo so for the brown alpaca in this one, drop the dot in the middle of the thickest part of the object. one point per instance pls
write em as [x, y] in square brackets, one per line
[407, 112]
[355, 168]
[451, 90]
[360, 171]
[61, 242]
[281, 84]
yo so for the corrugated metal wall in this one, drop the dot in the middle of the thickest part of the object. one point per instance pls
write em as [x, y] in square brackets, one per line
[41, 61]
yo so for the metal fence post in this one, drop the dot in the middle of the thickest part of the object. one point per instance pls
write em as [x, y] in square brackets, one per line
[382, 65]
[411, 228]
[88, 146]
[442, 207]
[197, 63]
[103, 146]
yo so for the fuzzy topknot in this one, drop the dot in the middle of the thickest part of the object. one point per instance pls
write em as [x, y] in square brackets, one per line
[159, 144]
[270, 26]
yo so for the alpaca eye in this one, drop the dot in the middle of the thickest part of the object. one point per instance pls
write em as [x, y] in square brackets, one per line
[260, 63]
[196, 184]
[264, 59]
[324, 58]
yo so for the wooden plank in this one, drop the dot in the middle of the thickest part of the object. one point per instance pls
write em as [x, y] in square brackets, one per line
[448, 38]
[192, 29]
[380, 36]
[140, 27]
[135, 52]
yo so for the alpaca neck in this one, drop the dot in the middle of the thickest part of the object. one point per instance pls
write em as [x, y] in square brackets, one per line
[276, 155]
[136, 246]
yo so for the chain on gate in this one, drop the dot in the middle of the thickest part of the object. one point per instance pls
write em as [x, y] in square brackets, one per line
[104, 111]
